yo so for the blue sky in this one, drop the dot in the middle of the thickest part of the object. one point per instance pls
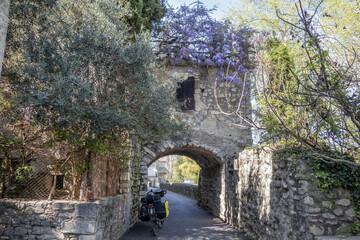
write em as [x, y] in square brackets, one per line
[223, 5]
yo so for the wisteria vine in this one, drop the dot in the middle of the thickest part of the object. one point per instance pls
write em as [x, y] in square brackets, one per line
[190, 33]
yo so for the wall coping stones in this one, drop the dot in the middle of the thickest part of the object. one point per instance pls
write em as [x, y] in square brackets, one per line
[106, 218]
[188, 190]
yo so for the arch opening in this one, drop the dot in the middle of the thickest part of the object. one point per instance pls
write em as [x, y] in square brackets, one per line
[173, 169]
[210, 174]
[204, 158]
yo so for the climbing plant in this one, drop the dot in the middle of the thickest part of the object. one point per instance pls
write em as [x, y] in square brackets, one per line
[190, 34]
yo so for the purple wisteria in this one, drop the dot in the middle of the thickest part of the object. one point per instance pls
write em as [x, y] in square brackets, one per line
[190, 33]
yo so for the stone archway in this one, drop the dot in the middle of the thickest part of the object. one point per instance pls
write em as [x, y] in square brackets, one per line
[211, 139]
[209, 159]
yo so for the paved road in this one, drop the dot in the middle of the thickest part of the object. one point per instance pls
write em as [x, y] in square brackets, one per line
[186, 221]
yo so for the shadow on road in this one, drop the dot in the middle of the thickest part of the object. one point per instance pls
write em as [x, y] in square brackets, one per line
[186, 221]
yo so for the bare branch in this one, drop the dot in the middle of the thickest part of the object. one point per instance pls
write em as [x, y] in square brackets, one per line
[335, 160]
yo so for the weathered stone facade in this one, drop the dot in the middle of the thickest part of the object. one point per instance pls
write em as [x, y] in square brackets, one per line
[212, 136]
[272, 200]
[4, 17]
[108, 218]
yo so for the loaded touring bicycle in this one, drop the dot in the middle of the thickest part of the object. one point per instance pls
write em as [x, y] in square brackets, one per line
[153, 209]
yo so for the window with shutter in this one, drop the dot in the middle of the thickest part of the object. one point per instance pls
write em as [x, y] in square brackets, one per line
[185, 94]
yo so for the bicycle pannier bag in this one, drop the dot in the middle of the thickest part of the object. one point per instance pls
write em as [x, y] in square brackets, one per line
[166, 208]
[160, 209]
[144, 213]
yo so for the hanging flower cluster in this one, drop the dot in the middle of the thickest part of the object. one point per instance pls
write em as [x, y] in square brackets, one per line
[190, 33]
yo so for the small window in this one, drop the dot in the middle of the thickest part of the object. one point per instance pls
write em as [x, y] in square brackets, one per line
[59, 182]
[185, 94]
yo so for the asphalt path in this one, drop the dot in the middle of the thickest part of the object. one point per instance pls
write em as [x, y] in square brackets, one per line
[186, 221]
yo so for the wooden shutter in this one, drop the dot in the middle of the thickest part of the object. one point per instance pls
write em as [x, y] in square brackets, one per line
[185, 94]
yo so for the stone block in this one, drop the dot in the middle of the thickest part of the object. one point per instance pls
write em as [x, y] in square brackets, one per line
[9, 231]
[39, 209]
[332, 222]
[86, 210]
[350, 212]
[328, 216]
[97, 236]
[49, 237]
[309, 200]
[317, 230]
[63, 206]
[19, 231]
[41, 230]
[16, 222]
[343, 229]
[315, 220]
[312, 210]
[338, 211]
[343, 202]
[327, 204]
[79, 227]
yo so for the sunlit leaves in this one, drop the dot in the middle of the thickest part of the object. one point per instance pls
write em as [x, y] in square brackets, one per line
[83, 77]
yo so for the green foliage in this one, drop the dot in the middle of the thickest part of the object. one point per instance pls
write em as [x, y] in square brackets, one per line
[81, 78]
[329, 175]
[327, 181]
[307, 76]
[173, 180]
[145, 15]
[22, 172]
[273, 112]
[355, 229]
[189, 169]
[176, 170]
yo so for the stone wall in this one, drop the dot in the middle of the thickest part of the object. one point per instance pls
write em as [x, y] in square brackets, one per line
[211, 137]
[108, 218]
[208, 126]
[4, 17]
[273, 201]
[188, 190]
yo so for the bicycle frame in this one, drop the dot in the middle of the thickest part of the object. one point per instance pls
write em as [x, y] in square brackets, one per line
[153, 219]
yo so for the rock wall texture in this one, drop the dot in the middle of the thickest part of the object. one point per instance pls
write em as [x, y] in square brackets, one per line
[4, 17]
[212, 136]
[108, 218]
[273, 201]
[188, 190]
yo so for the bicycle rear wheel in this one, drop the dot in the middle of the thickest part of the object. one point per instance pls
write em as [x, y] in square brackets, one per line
[155, 227]
[161, 223]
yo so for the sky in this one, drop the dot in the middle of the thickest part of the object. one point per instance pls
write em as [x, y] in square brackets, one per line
[222, 5]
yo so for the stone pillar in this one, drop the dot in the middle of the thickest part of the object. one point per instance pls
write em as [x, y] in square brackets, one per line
[4, 17]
